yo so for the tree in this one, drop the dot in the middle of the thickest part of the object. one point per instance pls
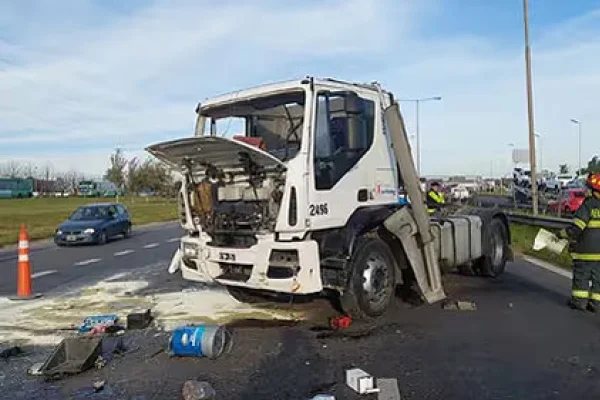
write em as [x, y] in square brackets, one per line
[563, 169]
[150, 175]
[593, 165]
[11, 169]
[116, 172]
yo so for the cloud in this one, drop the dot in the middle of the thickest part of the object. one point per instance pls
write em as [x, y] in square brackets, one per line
[107, 73]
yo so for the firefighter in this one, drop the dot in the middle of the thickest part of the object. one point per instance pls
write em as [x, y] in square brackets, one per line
[435, 199]
[584, 236]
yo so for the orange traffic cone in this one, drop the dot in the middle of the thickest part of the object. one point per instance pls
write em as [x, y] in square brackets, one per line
[24, 269]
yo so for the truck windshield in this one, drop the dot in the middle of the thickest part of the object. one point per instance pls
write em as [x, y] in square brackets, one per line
[276, 121]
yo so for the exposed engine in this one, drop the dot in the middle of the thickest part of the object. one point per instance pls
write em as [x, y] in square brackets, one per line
[233, 205]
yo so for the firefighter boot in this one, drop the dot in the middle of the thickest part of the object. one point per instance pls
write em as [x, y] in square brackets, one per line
[594, 302]
[580, 294]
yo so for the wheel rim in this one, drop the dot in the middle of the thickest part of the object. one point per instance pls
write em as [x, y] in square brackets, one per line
[497, 248]
[376, 276]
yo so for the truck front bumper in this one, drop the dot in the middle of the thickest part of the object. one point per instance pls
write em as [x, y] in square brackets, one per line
[285, 267]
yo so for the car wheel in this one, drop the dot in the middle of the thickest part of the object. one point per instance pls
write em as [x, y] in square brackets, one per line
[371, 285]
[102, 239]
[128, 232]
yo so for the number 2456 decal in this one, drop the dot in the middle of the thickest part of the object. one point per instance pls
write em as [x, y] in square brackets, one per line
[318, 209]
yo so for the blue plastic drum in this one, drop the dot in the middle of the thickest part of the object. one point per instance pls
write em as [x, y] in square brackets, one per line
[198, 341]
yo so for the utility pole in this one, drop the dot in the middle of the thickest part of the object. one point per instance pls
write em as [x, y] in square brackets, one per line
[417, 104]
[532, 161]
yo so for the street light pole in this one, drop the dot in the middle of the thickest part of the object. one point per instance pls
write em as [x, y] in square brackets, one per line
[578, 123]
[539, 137]
[417, 106]
[534, 191]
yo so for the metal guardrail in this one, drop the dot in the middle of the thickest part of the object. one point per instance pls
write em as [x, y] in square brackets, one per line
[541, 221]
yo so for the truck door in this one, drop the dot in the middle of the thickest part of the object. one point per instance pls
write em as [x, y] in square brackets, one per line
[351, 164]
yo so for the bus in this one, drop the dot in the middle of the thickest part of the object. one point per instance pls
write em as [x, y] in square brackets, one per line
[16, 188]
[98, 189]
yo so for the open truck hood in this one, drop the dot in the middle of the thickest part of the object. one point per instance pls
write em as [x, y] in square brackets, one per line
[213, 150]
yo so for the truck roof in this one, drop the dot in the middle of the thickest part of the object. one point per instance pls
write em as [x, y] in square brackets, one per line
[285, 86]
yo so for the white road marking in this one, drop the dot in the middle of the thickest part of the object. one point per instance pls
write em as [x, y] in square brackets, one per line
[43, 273]
[87, 262]
[174, 240]
[549, 267]
[122, 253]
[151, 245]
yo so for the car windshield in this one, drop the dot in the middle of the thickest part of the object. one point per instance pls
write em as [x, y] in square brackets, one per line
[89, 213]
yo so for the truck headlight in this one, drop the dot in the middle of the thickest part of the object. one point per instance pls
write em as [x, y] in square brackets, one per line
[190, 250]
[89, 231]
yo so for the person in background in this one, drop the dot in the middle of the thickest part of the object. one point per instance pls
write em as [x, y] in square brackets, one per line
[435, 199]
[584, 246]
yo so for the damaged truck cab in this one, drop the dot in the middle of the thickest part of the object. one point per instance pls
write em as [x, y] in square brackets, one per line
[292, 188]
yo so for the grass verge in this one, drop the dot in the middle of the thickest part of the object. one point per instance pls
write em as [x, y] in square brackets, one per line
[522, 242]
[43, 215]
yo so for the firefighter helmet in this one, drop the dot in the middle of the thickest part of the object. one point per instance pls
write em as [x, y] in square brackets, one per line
[593, 181]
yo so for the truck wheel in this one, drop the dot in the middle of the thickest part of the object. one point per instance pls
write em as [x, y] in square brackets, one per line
[371, 284]
[496, 245]
[245, 295]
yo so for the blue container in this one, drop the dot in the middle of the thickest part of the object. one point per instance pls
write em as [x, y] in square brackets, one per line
[198, 341]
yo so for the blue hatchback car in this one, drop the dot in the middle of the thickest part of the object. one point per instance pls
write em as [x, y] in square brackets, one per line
[94, 223]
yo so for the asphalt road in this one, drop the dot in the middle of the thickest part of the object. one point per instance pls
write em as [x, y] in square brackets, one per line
[56, 268]
[522, 342]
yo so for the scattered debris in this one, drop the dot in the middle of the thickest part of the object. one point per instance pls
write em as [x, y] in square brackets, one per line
[198, 390]
[100, 362]
[139, 320]
[340, 322]
[360, 381]
[323, 397]
[98, 386]
[510, 305]
[388, 389]
[200, 341]
[73, 356]
[35, 369]
[98, 321]
[14, 351]
[459, 305]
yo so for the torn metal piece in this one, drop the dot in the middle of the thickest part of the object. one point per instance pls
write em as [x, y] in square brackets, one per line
[459, 305]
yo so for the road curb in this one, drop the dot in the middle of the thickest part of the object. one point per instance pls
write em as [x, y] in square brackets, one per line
[549, 267]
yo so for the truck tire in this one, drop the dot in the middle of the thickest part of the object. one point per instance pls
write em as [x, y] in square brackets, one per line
[495, 245]
[245, 295]
[371, 284]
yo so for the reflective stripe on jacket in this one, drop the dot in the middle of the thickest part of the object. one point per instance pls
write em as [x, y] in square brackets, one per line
[585, 230]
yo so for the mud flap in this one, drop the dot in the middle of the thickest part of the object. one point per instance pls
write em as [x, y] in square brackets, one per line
[425, 266]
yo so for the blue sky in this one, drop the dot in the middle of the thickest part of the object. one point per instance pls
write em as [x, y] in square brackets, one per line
[81, 77]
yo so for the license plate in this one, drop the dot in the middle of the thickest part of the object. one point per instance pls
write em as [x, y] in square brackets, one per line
[71, 238]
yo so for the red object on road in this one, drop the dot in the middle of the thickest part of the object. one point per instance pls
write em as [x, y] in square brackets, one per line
[569, 201]
[340, 322]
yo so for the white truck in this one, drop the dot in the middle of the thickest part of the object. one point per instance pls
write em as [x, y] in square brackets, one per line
[304, 201]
